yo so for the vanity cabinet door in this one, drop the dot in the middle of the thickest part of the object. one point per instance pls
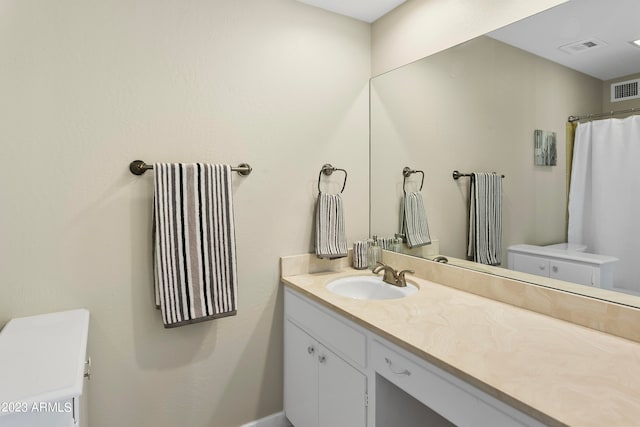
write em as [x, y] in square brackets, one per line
[300, 377]
[320, 388]
[342, 392]
[573, 272]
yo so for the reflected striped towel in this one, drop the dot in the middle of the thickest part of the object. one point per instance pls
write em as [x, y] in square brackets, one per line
[331, 239]
[485, 218]
[414, 220]
[385, 243]
[194, 243]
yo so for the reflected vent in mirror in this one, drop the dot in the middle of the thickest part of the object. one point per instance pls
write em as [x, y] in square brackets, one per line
[582, 46]
[621, 91]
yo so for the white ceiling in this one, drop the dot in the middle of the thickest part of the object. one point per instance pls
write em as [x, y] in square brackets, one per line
[610, 23]
[363, 10]
[614, 22]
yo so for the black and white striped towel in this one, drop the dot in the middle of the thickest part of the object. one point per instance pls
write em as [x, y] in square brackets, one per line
[194, 243]
[413, 218]
[485, 218]
[331, 239]
[361, 254]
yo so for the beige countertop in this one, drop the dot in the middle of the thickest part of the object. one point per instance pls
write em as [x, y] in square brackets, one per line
[556, 371]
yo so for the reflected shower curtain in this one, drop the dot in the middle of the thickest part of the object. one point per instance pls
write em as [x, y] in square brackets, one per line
[604, 195]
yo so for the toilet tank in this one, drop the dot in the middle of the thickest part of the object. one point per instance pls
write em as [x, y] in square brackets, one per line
[42, 370]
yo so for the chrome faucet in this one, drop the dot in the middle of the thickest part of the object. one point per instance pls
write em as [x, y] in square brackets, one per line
[391, 276]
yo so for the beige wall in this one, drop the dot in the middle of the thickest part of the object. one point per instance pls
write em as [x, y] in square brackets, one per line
[422, 27]
[607, 105]
[475, 107]
[89, 86]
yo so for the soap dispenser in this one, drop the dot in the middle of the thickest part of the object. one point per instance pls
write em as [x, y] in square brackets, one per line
[396, 246]
[375, 254]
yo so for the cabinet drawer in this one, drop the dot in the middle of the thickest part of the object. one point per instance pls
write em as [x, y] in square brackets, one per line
[450, 397]
[328, 328]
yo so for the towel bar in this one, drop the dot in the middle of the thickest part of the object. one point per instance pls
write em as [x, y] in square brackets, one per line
[138, 167]
[458, 174]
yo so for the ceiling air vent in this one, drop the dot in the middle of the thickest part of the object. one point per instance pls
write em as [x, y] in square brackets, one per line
[582, 46]
[621, 91]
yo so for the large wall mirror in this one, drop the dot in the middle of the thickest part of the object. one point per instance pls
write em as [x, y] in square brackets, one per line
[476, 106]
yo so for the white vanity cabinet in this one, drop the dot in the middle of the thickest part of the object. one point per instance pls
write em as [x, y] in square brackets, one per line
[322, 386]
[572, 266]
[332, 368]
[42, 370]
[457, 402]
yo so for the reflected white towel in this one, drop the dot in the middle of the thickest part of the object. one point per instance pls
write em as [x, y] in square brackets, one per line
[194, 243]
[485, 218]
[331, 240]
[414, 220]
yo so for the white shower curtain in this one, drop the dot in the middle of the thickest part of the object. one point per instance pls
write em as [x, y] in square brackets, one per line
[604, 197]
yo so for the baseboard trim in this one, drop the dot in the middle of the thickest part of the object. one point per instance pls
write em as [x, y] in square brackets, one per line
[274, 420]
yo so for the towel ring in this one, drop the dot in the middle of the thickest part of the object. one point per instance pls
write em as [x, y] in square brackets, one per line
[328, 169]
[407, 172]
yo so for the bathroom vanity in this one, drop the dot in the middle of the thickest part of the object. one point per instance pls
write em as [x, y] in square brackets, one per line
[563, 262]
[447, 356]
[43, 368]
[331, 365]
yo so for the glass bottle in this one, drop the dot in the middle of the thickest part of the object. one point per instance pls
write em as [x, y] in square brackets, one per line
[375, 254]
[396, 246]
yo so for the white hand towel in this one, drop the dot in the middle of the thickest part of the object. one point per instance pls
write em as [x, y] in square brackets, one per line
[485, 218]
[194, 243]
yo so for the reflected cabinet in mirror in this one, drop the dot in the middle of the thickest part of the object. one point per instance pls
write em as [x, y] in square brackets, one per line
[475, 108]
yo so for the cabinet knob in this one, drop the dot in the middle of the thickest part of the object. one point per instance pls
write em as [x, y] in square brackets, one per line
[322, 358]
[311, 349]
[554, 268]
[541, 267]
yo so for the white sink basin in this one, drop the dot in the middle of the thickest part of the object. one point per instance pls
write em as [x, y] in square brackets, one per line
[369, 288]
